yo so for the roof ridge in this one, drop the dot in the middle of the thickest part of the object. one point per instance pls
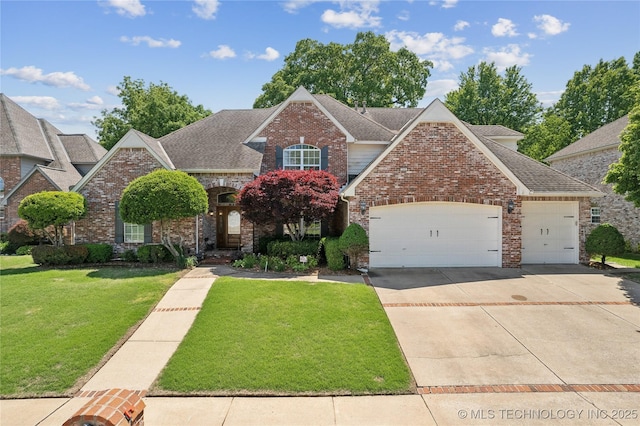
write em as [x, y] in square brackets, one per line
[356, 113]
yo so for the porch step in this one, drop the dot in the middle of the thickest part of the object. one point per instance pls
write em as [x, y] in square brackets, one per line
[219, 257]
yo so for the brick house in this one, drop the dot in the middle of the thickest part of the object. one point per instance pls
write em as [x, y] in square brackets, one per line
[429, 189]
[35, 156]
[588, 159]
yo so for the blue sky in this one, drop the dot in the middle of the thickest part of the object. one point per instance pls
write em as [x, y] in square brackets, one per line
[61, 60]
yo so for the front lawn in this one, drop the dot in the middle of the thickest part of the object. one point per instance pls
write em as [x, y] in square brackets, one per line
[57, 324]
[287, 337]
[628, 260]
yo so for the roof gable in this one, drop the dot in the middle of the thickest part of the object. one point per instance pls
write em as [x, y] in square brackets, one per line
[21, 133]
[132, 139]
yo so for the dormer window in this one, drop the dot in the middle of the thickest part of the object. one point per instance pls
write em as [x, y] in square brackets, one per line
[301, 157]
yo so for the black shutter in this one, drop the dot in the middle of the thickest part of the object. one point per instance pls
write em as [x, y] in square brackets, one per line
[148, 233]
[324, 158]
[119, 224]
[324, 227]
[279, 160]
[279, 229]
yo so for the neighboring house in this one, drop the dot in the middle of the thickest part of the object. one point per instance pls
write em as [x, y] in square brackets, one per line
[35, 156]
[588, 159]
[429, 189]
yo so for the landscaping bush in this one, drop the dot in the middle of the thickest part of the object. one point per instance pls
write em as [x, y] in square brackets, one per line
[65, 255]
[154, 253]
[605, 240]
[353, 242]
[284, 249]
[249, 261]
[272, 263]
[24, 250]
[333, 254]
[130, 256]
[99, 253]
[294, 263]
[20, 235]
[263, 242]
[3, 247]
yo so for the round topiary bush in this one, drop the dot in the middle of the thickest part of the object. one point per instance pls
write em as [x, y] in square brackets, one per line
[353, 242]
[605, 240]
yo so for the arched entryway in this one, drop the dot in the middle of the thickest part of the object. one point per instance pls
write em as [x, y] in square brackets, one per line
[223, 229]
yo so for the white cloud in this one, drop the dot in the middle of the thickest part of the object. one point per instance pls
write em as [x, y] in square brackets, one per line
[507, 56]
[32, 74]
[222, 52]
[550, 25]
[445, 4]
[151, 42]
[460, 25]
[292, 6]
[504, 28]
[404, 15]
[129, 8]
[438, 88]
[45, 102]
[547, 99]
[206, 9]
[93, 103]
[269, 55]
[113, 90]
[433, 46]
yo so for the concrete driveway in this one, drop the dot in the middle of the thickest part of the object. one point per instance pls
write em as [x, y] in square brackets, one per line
[568, 330]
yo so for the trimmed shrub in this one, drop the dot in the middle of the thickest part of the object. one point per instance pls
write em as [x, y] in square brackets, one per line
[263, 242]
[130, 256]
[294, 263]
[24, 250]
[284, 249]
[65, 255]
[20, 235]
[249, 261]
[99, 253]
[333, 254]
[353, 242]
[154, 253]
[605, 240]
[3, 247]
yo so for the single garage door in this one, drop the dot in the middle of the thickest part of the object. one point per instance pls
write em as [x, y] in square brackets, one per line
[435, 234]
[550, 232]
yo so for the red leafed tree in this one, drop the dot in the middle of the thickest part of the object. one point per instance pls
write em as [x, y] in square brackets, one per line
[291, 197]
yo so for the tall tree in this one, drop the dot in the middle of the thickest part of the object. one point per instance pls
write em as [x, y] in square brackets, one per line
[52, 209]
[291, 197]
[486, 97]
[625, 174]
[543, 139]
[363, 71]
[598, 95]
[156, 110]
[165, 196]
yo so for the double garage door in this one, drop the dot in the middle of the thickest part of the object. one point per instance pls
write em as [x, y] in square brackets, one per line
[435, 234]
[464, 234]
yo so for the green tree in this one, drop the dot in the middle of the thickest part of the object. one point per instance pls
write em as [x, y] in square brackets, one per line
[543, 139]
[156, 110]
[363, 71]
[165, 196]
[598, 95]
[353, 242]
[486, 97]
[625, 174]
[52, 209]
[605, 240]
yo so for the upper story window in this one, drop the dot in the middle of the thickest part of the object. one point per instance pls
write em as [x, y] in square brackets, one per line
[595, 214]
[301, 157]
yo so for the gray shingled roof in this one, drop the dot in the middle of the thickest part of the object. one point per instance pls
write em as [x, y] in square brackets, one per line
[359, 125]
[155, 145]
[607, 136]
[537, 177]
[82, 149]
[393, 118]
[216, 142]
[492, 130]
[20, 132]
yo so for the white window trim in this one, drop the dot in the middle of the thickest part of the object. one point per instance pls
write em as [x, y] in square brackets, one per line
[303, 151]
[133, 233]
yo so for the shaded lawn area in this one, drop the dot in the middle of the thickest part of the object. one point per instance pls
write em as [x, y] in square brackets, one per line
[57, 324]
[628, 260]
[287, 337]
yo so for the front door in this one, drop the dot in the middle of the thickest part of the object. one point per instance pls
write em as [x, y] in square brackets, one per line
[228, 227]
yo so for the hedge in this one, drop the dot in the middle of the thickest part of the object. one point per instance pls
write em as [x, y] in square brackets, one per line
[66, 255]
[335, 258]
[284, 249]
[99, 253]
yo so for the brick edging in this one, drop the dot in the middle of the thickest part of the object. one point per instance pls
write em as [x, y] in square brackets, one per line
[425, 390]
[95, 393]
[192, 308]
[467, 304]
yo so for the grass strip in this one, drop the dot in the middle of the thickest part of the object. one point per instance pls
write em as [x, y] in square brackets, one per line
[57, 324]
[288, 337]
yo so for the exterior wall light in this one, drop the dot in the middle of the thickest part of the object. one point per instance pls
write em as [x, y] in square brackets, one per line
[363, 207]
[511, 206]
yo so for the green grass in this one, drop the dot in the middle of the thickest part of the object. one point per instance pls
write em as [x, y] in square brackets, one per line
[57, 324]
[629, 260]
[288, 337]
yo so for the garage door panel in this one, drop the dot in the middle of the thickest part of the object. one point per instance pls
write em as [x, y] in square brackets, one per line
[435, 234]
[550, 232]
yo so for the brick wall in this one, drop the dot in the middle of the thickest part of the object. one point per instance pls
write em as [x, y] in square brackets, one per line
[105, 188]
[592, 168]
[10, 174]
[436, 162]
[306, 120]
[36, 183]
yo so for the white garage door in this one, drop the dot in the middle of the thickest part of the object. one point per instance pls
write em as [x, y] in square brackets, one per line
[550, 232]
[435, 234]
